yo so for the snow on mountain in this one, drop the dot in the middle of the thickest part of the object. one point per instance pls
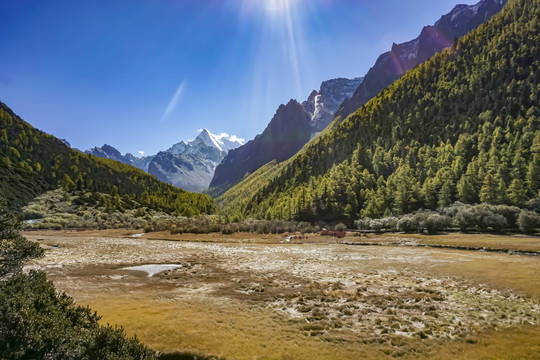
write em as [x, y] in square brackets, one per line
[223, 142]
[187, 164]
[178, 148]
[191, 165]
[207, 138]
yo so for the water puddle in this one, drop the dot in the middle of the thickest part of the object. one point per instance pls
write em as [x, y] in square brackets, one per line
[152, 269]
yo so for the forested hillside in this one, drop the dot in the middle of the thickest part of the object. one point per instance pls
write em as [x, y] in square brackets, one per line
[463, 126]
[32, 162]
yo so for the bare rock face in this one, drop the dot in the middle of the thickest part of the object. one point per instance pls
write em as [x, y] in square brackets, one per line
[322, 105]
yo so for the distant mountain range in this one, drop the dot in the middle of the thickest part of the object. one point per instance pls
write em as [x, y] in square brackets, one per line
[341, 97]
[188, 165]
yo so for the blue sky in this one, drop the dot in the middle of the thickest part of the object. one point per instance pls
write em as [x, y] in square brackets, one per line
[142, 75]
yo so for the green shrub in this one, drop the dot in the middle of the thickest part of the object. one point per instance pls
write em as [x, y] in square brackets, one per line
[406, 224]
[434, 223]
[528, 221]
[38, 323]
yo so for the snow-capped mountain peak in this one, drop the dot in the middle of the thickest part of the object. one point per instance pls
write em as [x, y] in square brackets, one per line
[223, 142]
[208, 139]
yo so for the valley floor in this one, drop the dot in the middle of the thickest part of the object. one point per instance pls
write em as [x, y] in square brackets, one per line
[248, 296]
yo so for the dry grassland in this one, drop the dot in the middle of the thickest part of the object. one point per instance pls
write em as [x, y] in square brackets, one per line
[259, 297]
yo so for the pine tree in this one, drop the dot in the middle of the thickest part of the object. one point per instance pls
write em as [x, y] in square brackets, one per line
[446, 193]
[466, 191]
[488, 192]
[517, 193]
[533, 175]
[67, 184]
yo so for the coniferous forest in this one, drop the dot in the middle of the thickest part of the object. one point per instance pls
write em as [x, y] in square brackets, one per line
[464, 126]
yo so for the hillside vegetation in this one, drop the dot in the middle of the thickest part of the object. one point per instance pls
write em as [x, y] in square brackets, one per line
[36, 322]
[463, 126]
[32, 162]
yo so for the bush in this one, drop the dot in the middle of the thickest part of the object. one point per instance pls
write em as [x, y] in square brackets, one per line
[376, 225]
[406, 224]
[389, 223]
[227, 230]
[528, 221]
[495, 221]
[38, 323]
[534, 205]
[363, 224]
[434, 223]
[465, 219]
[341, 227]
[510, 213]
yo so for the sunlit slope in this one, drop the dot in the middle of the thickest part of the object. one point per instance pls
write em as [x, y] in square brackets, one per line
[235, 200]
[463, 126]
[32, 162]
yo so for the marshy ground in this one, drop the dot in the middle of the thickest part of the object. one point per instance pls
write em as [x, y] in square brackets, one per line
[248, 296]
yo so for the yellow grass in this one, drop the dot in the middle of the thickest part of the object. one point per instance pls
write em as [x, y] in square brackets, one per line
[235, 298]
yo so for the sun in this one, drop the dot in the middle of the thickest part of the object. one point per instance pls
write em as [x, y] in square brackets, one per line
[269, 7]
[277, 6]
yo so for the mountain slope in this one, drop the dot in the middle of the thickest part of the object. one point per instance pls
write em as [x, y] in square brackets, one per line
[191, 165]
[403, 57]
[393, 64]
[286, 133]
[463, 126]
[292, 127]
[340, 97]
[33, 162]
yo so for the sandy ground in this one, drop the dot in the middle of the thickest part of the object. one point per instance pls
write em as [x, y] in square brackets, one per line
[247, 297]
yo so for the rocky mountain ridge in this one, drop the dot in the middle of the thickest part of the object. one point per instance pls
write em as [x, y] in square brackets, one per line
[432, 39]
[188, 165]
[292, 127]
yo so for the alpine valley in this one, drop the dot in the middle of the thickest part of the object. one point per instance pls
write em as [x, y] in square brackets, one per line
[394, 215]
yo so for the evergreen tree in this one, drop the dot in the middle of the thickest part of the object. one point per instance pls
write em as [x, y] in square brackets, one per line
[517, 194]
[488, 192]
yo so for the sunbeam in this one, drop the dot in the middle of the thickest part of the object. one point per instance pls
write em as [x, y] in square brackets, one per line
[281, 50]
